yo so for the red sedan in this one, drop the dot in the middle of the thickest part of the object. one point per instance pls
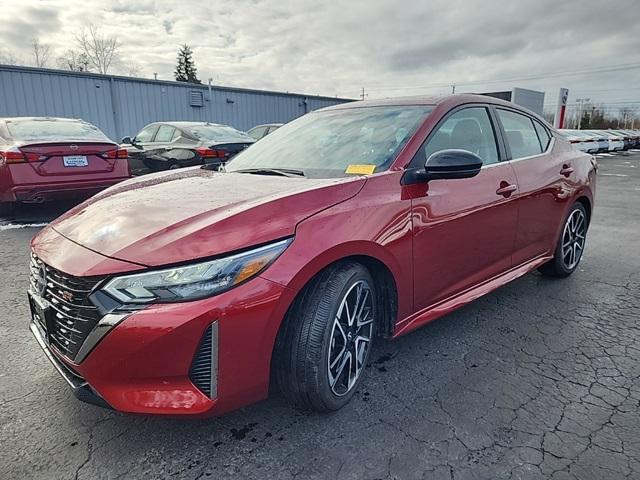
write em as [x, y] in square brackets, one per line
[182, 292]
[43, 158]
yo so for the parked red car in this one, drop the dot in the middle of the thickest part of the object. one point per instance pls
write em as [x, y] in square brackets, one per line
[184, 291]
[44, 158]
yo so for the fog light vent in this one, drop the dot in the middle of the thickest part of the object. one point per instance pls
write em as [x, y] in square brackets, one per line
[204, 368]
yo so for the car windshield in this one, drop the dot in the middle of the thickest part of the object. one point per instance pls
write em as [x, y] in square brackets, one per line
[54, 130]
[217, 133]
[334, 143]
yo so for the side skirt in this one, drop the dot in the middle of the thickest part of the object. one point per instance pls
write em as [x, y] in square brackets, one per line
[436, 311]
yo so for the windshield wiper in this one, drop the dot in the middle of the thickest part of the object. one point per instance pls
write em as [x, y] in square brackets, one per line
[285, 172]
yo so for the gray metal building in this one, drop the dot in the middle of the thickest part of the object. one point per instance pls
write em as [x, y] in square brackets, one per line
[531, 99]
[121, 106]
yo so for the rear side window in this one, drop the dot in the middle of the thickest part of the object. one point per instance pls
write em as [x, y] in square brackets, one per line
[521, 134]
[165, 134]
[468, 129]
[543, 135]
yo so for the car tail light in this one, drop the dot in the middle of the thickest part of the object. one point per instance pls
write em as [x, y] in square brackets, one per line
[12, 156]
[119, 153]
[212, 153]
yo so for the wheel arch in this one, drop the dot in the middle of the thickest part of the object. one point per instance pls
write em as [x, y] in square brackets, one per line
[384, 269]
[586, 203]
[387, 301]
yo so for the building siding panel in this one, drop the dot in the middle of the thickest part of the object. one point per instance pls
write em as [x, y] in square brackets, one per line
[122, 106]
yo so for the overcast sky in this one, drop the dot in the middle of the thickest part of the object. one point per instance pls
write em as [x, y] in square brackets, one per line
[336, 48]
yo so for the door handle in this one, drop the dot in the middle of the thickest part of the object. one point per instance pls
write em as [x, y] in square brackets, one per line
[566, 170]
[506, 189]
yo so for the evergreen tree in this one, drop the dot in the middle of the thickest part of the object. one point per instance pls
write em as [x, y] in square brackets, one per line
[186, 69]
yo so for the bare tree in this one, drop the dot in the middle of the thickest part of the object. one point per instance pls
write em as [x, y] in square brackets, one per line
[7, 57]
[132, 69]
[41, 52]
[73, 60]
[127, 67]
[99, 49]
[625, 116]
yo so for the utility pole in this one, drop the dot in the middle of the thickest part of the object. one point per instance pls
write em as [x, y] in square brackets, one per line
[362, 95]
[155, 75]
[453, 89]
[581, 102]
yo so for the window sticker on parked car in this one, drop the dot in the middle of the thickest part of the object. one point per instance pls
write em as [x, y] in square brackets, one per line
[360, 169]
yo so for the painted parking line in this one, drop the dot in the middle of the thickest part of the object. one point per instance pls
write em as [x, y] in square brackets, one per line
[613, 175]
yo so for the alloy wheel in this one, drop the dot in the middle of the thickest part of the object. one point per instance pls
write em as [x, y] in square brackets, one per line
[350, 339]
[573, 238]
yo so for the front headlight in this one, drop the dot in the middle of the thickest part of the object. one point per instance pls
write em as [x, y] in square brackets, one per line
[192, 282]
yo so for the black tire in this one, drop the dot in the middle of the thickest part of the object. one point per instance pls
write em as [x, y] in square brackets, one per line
[306, 339]
[558, 266]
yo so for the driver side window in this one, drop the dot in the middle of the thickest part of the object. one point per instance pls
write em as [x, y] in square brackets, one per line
[146, 134]
[467, 129]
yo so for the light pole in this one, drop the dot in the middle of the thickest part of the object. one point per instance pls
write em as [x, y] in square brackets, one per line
[581, 102]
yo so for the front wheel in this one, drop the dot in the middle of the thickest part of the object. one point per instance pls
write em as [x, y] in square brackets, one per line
[570, 247]
[326, 339]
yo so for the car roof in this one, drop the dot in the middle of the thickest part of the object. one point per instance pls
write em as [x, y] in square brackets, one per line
[433, 100]
[444, 101]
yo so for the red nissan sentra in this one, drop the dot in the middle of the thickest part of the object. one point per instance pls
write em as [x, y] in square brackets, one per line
[182, 292]
[43, 158]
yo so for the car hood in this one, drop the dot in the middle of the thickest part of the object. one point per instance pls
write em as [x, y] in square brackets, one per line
[183, 215]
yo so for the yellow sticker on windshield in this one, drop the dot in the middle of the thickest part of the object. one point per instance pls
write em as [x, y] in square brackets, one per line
[360, 169]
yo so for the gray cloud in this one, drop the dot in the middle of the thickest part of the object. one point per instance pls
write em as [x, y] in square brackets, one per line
[336, 48]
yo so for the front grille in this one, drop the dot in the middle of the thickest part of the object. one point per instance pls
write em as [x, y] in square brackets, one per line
[74, 316]
[203, 372]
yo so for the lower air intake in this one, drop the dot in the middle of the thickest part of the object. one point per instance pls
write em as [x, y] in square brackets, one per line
[204, 368]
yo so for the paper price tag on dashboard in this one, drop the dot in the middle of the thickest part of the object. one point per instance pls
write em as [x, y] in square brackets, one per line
[360, 169]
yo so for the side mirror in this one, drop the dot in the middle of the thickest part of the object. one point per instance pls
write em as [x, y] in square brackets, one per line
[127, 140]
[445, 164]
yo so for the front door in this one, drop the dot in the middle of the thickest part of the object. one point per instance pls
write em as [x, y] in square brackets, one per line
[464, 229]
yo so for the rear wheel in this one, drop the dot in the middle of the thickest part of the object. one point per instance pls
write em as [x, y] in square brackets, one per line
[326, 339]
[570, 247]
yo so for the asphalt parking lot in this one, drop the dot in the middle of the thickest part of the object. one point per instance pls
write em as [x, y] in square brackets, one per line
[540, 379]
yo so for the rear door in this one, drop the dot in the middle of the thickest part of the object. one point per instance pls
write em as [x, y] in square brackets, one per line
[542, 176]
[175, 148]
[464, 229]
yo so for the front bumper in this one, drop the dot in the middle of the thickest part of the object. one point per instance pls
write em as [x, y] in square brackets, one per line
[80, 387]
[144, 363]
